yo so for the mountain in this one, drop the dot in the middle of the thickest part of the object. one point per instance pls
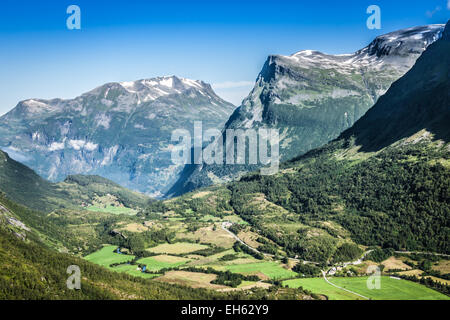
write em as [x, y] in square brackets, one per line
[26, 187]
[418, 101]
[120, 131]
[383, 182]
[312, 97]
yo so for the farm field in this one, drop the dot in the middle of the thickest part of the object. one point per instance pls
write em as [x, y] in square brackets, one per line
[164, 261]
[132, 270]
[191, 279]
[177, 248]
[211, 235]
[320, 286]
[271, 269]
[391, 289]
[106, 256]
[112, 209]
[443, 266]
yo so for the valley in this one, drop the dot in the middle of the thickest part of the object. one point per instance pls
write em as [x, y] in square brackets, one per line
[373, 196]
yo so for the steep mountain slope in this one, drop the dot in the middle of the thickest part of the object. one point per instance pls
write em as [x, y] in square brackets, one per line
[24, 186]
[120, 131]
[385, 181]
[311, 97]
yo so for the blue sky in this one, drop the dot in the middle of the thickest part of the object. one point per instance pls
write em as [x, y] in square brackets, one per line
[224, 43]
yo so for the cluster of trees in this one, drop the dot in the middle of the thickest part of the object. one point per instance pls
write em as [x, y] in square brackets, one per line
[233, 280]
[347, 252]
[239, 247]
[228, 257]
[308, 270]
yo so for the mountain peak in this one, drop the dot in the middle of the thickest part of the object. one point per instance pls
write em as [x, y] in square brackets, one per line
[404, 41]
[168, 82]
[120, 130]
[417, 101]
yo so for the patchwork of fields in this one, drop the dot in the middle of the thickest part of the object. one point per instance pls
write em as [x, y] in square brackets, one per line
[209, 247]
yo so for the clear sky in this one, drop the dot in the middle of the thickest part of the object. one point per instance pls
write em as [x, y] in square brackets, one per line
[224, 43]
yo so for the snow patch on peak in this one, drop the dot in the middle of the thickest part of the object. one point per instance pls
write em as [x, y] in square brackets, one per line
[167, 82]
[128, 85]
[35, 106]
[192, 83]
[306, 53]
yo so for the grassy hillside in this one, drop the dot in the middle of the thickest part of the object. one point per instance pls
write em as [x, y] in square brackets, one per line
[24, 186]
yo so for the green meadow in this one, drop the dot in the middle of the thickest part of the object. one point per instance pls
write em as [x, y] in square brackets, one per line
[320, 286]
[107, 256]
[390, 289]
[273, 270]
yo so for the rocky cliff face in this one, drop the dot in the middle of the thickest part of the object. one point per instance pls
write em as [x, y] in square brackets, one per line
[120, 131]
[311, 97]
[419, 101]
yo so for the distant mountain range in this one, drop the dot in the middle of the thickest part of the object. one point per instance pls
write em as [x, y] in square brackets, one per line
[121, 131]
[312, 97]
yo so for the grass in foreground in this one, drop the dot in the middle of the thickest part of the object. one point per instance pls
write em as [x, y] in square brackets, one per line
[391, 289]
[320, 286]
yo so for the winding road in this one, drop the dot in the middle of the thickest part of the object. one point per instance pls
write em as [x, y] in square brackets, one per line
[352, 292]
